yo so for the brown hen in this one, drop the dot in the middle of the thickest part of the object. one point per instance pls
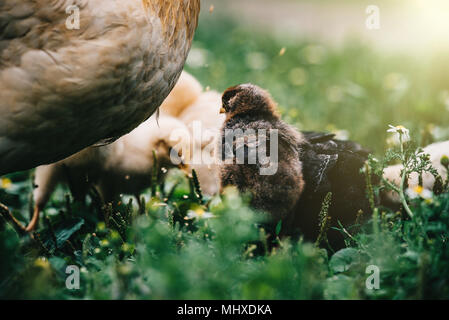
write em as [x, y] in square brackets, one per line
[63, 89]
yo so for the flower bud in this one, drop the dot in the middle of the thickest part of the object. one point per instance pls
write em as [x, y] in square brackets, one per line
[445, 161]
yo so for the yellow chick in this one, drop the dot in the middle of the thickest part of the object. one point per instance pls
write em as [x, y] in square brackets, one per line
[185, 93]
[200, 111]
[122, 167]
[204, 116]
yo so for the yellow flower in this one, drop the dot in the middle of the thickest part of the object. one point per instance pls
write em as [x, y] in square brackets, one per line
[101, 226]
[419, 191]
[199, 213]
[6, 183]
[445, 161]
[42, 263]
[115, 235]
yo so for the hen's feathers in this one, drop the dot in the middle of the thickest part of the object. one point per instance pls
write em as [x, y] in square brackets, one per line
[63, 90]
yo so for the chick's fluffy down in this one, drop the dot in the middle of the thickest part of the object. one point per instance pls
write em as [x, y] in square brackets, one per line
[123, 167]
[200, 111]
[186, 91]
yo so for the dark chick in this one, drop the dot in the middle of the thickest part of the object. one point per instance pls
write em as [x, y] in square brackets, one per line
[310, 166]
[330, 165]
[250, 109]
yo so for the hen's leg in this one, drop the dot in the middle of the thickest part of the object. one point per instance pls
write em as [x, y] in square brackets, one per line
[4, 211]
[46, 179]
[34, 220]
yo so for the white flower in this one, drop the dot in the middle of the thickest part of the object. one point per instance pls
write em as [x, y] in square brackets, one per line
[199, 213]
[419, 191]
[401, 131]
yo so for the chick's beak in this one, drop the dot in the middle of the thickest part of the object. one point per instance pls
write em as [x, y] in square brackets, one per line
[222, 110]
[184, 167]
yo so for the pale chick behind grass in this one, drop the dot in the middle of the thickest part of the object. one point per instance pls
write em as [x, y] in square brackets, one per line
[200, 111]
[186, 91]
[393, 173]
[206, 110]
[123, 167]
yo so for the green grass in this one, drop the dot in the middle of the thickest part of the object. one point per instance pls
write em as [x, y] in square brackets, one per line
[163, 255]
[353, 88]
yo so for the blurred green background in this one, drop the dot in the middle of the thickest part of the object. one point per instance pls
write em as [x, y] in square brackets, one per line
[327, 71]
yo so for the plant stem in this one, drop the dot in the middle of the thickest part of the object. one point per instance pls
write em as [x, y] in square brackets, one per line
[391, 186]
[376, 223]
[404, 175]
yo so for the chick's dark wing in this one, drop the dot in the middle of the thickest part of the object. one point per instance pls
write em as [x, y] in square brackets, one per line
[327, 160]
[316, 169]
[324, 142]
[317, 137]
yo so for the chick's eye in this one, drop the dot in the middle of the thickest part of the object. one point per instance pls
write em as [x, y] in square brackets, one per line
[228, 96]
